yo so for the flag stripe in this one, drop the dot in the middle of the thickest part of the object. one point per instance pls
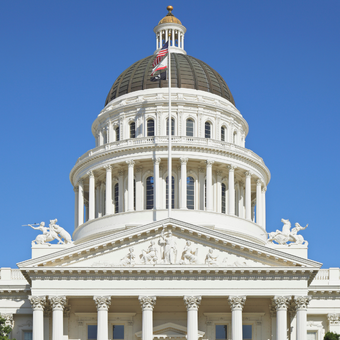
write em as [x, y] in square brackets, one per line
[161, 54]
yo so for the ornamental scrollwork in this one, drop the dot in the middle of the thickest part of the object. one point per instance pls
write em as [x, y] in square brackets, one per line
[334, 319]
[9, 321]
[102, 302]
[58, 302]
[237, 302]
[192, 302]
[37, 302]
[147, 302]
[302, 302]
[281, 302]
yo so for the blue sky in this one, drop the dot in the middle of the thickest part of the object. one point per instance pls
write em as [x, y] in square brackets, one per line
[279, 58]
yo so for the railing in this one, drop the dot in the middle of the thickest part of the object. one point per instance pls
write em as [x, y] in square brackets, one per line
[8, 274]
[330, 276]
[17, 275]
[322, 275]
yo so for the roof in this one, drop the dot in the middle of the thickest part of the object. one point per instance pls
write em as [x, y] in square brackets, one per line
[170, 18]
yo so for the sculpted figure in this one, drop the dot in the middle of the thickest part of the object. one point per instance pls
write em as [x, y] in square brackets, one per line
[210, 259]
[168, 243]
[189, 255]
[61, 231]
[48, 235]
[298, 238]
[150, 255]
[129, 259]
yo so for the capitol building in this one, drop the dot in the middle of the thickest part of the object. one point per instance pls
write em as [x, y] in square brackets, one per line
[152, 259]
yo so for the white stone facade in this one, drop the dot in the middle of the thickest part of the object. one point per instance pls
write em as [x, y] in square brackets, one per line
[206, 272]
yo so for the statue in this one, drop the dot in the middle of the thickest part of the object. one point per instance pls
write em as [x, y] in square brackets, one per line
[61, 231]
[189, 255]
[150, 255]
[210, 259]
[169, 251]
[129, 259]
[287, 235]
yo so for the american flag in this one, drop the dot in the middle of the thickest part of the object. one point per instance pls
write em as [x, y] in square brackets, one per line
[160, 54]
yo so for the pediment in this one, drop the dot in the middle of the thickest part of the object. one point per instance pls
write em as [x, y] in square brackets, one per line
[168, 243]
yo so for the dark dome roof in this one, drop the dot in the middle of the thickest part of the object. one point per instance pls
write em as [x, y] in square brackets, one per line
[186, 72]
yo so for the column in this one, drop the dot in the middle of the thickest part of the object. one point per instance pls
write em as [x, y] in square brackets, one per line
[110, 137]
[102, 303]
[264, 207]
[38, 304]
[147, 304]
[121, 190]
[241, 201]
[80, 202]
[108, 190]
[301, 303]
[139, 189]
[201, 186]
[333, 322]
[209, 187]
[258, 202]
[237, 198]
[156, 198]
[76, 200]
[97, 200]
[292, 322]
[192, 303]
[131, 165]
[236, 306]
[281, 304]
[91, 195]
[273, 321]
[248, 195]
[57, 304]
[231, 189]
[219, 191]
[183, 200]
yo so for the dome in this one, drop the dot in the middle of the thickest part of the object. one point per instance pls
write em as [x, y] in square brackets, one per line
[170, 18]
[186, 72]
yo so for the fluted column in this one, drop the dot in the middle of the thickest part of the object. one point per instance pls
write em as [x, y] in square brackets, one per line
[38, 304]
[102, 303]
[231, 189]
[236, 305]
[57, 303]
[192, 303]
[121, 190]
[248, 195]
[209, 188]
[76, 200]
[131, 165]
[80, 202]
[183, 199]
[147, 304]
[156, 198]
[258, 202]
[301, 303]
[108, 190]
[264, 189]
[281, 304]
[91, 195]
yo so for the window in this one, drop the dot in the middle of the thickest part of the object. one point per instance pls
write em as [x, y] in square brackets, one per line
[223, 198]
[28, 335]
[247, 332]
[172, 127]
[223, 134]
[149, 192]
[116, 198]
[190, 128]
[150, 126]
[234, 137]
[132, 130]
[118, 332]
[311, 335]
[172, 193]
[92, 332]
[221, 332]
[117, 133]
[190, 193]
[207, 131]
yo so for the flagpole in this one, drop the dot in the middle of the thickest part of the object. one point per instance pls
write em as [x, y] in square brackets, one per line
[169, 135]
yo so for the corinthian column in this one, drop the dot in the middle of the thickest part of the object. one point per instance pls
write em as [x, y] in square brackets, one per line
[108, 190]
[183, 199]
[91, 195]
[236, 305]
[131, 165]
[38, 304]
[231, 186]
[209, 188]
[248, 195]
[281, 304]
[103, 303]
[301, 303]
[80, 218]
[57, 304]
[147, 304]
[192, 304]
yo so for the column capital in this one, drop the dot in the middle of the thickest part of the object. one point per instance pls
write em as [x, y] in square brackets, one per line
[9, 321]
[147, 302]
[90, 173]
[139, 169]
[201, 170]
[333, 318]
[130, 163]
[108, 167]
[37, 302]
[248, 173]
[120, 172]
[102, 302]
[183, 160]
[237, 302]
[80, 182]
[58, 302]
[219, 173]
[259, 182]
[231, 167]
[192, 302]
[75, 189]
[281, 302]
[156, 160]
[210, 163]
[264, 189]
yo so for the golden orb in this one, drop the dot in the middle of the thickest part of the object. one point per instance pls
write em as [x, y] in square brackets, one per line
[169, 8]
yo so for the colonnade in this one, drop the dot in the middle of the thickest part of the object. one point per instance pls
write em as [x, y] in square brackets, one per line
[280, 305]
[170, 34]
[238, 194]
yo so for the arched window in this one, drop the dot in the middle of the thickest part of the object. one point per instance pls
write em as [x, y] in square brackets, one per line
[190, 193]
[117, 133]
[150, 127]
[132, 130]
[190, 128]
[149, 192]
[223, 134]
[207, 130]
[172, 127]
[116, 198]
[223, 198]
[172, 193]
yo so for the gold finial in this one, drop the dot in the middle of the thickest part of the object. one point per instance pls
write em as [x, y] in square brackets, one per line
[170, 8]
